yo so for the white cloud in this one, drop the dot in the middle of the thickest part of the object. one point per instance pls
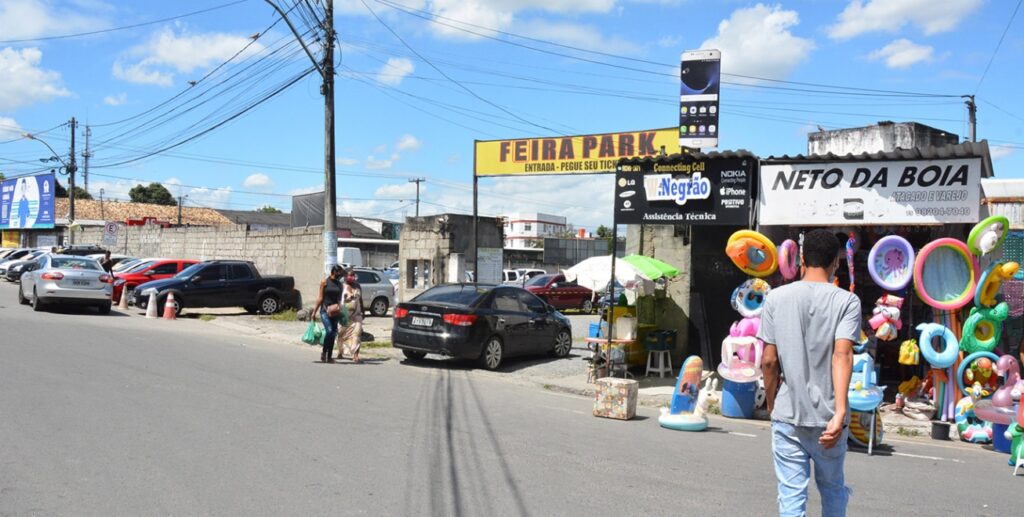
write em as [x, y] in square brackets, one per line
[999, 152]
[405, 190]
[23, 82]
[10, 129]
[931, 16]
[115, 100]
[757, 41]
[347, 162]
[208, 198]
[25, 19]
[576, 35]
[500, 14]
[165, 53]
[408, 143]
[394, 71]
[903, 53]
[258, 180]
[376, 164]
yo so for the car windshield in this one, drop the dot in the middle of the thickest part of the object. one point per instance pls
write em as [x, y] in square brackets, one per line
[140, 266]
[540, 280]
[190, 271]
[458, 294]
[127, 264]
[75, 263]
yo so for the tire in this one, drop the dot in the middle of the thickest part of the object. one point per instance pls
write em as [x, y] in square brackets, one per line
[414, 355]
[21, 296]
[493, 353]
[587, 307]
[36, 304]
[161, 303]
[103, 309]
[563, 344]
[268, 304]
[379, 307]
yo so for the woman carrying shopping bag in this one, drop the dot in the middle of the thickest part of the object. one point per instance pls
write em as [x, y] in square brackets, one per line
[328, 308]
[351, 334]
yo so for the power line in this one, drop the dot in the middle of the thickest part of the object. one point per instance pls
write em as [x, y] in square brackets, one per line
[124, 27]
[1018, 117]
[996, 51]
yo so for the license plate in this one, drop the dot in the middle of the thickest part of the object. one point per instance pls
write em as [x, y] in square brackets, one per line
[422, 322]
[80, 282]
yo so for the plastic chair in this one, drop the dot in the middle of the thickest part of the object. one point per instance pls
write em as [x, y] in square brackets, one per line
[659, 345]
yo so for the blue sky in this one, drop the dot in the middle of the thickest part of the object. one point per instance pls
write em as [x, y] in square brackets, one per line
[399, 117]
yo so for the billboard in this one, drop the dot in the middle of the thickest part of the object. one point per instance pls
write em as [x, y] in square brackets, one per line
[27, 202]
[685, 191]
[586, 154]
[700, 79]
[870, 192]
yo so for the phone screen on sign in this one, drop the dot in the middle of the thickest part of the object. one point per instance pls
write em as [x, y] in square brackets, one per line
[700, 82]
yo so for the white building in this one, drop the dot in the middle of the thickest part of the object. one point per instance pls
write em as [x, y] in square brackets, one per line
[528, 229]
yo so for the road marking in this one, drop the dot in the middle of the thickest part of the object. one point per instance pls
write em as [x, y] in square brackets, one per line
[923, 457]
[746, 435]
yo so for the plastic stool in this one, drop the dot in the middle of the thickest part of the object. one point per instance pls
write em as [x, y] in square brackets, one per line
[663, 360]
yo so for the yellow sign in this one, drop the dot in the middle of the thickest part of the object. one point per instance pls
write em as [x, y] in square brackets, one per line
[10, 239]
[587, 154]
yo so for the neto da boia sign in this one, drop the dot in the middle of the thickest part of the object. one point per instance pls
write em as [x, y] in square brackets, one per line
[870, 192]
[711, 191]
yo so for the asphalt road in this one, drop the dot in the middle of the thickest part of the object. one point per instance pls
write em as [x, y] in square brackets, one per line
[118, 415]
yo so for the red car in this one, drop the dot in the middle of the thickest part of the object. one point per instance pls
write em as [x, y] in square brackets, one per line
[560, 294]
[147, 271]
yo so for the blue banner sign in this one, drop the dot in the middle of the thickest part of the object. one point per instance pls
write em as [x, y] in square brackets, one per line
[27, 202]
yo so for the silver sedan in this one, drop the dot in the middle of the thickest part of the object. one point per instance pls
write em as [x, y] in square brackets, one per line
[66, 280]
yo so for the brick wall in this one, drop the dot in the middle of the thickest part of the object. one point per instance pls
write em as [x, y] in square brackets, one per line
[296, 252]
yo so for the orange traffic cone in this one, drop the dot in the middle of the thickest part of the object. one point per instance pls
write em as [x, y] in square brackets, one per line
[169, 312]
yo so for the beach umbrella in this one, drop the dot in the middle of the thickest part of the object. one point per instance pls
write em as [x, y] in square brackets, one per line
[595, 273]
[651, 268]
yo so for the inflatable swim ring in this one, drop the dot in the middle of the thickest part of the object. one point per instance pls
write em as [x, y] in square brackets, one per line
[789, 259]
[991, 280]
[891, 262]
[987, 411]
[971, 428]
[748, 298]
[966, 363]
[950, 351]
[945, 274]
[753, 253]
[983, 328]
[863, 394]
[689, 403]
[860, 423]
[988, 235]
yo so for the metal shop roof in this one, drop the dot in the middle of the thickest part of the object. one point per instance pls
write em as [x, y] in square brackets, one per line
[963, 150]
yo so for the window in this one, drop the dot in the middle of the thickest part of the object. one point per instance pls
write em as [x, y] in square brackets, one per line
[531, 302]
[240, 272]
[527, 227]
[466, 295]
[214, 272]
[506, 300]
[366, 277]
[165, 269]
[75, 263]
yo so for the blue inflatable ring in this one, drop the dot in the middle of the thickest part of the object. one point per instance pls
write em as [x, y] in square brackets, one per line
[950, 352]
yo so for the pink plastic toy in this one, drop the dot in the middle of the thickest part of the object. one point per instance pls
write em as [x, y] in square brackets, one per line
[1008, 368]
[746, 327]
[886, 320]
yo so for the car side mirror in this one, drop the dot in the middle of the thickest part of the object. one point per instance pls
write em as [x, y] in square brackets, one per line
[196, 279]
[149, 273]
[550, 309]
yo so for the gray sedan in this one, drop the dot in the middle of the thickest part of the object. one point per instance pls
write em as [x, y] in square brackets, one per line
[66, 280]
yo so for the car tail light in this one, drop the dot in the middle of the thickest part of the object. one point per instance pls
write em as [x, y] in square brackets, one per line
[460, 320]
[401, 312]
[52, 276]
[106, 279]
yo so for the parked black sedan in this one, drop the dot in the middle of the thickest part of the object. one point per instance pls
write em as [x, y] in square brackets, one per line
[487, 323]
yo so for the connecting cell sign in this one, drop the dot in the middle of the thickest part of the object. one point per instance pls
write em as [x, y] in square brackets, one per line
[27, 202]
[712, 191]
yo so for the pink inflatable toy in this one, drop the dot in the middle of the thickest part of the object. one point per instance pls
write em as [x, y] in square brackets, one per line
[1008, 368]
[741, 359]
[746, 327]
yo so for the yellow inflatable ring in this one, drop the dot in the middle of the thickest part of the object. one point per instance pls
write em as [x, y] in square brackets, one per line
[753, 253]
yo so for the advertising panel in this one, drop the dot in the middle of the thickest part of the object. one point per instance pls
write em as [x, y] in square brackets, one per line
[699, 192]
[27, 202]
[700, 79]
[587, 154]
[489, 265]
[870, 193]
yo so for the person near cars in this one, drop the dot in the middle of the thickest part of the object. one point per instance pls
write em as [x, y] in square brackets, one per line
[351, 334]
[328, 307]
[106, 263]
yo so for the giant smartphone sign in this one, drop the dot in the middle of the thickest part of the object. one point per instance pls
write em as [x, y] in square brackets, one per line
[27, 202]
[700, 78]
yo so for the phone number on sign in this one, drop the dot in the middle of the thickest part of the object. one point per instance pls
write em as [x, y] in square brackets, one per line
[944, 210]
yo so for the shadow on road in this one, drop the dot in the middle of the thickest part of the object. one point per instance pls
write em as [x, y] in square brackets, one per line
[72, 309]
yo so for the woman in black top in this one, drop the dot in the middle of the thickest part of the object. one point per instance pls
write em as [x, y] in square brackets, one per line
[329, 301]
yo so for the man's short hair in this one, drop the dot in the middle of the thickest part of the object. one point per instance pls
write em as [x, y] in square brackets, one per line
[821, 247]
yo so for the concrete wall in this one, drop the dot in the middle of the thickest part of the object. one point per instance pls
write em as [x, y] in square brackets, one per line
[428, 243]
[667, 243]
[881, 137]
[294, 252]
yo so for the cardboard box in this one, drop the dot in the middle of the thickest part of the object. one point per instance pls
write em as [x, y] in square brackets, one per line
[615, 398]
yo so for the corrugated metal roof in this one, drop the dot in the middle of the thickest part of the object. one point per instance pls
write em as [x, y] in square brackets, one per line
[996, 189]
[671, 158]
[963, 150]
[284, 220]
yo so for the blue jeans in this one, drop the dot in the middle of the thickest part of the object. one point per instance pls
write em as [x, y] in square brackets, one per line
[794, 448]
[330, 331]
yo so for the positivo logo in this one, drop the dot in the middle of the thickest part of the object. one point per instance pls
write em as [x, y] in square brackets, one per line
[663, 187]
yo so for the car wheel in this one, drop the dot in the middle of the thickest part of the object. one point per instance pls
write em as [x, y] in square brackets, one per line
[269, 304]
[563, 344]
[379, 307]
[21, 296]
[103, 309]
[587, 307]
[493, 354]
[37, 304]
[413, 355]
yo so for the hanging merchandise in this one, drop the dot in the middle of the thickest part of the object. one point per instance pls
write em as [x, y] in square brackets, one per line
[910, 354]
[886, 317]
[789, 259]
[753, 253]
[983, 328]
[891, 263]
[945, 274]
[851, 250]
[988, 235]
[950, 349]
[991, 280]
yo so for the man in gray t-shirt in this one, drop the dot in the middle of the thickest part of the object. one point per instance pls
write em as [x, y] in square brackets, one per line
[809, 328]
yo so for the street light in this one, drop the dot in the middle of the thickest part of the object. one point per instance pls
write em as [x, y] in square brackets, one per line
[71, 168]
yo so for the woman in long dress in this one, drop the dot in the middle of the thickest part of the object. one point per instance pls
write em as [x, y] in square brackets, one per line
[351, 335]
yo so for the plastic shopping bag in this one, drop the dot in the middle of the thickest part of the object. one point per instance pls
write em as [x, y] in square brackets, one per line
[314, 334]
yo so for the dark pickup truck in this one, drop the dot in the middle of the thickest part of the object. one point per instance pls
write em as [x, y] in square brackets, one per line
[222, 283]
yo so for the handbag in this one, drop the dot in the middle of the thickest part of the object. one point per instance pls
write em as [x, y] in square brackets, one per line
[333, 310]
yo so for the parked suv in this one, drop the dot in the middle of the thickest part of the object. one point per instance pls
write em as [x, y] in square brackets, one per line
[378, 291]
[222, 283]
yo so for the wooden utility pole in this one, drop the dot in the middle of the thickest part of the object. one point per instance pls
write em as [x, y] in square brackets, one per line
[972, 117]
[86, 154]
[71, 181]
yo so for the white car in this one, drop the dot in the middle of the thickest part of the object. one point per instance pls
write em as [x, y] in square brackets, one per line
[378, 291]
[66, 280]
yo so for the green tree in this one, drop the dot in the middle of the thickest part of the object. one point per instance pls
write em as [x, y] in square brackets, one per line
[80, 193]
[267, 209]
[154, 193]
[604, 232]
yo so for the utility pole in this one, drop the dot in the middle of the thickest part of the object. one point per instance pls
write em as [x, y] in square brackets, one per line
[972, 116]
[71, 191]
[417, 181]
[326, 69]
[180, 200]
[85, 158]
